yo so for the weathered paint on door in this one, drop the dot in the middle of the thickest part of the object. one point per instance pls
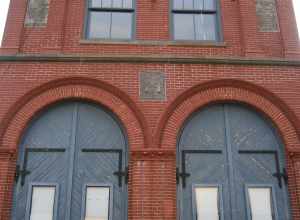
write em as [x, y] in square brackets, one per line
[232, 147]
[72, 145]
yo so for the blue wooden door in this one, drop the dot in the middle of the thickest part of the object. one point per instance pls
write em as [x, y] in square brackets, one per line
[71, 152]
[231, 155]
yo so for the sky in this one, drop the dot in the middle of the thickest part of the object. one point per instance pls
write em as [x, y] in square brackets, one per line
[4, 6]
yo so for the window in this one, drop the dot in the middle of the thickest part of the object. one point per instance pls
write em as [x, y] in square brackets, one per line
[260, 200]
[110, 19]
[97, 203]
[195, 20]
[42, 203]
[207, 203]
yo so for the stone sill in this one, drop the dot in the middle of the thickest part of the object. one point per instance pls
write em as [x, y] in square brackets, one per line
[156, 43]
[148, 59]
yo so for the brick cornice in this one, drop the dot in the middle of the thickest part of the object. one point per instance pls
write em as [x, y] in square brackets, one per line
[149, 59]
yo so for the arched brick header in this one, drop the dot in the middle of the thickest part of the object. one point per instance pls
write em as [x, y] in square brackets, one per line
[227, 91]
[76, 88]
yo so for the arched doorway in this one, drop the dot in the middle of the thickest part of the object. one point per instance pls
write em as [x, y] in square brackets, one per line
[231, 166]
[72, 166]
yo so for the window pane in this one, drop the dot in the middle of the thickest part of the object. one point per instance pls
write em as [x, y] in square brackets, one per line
[260, 203]
[97, 203]
[207, 203]
[121, 25]
[107, 3]
[183, 27]
[127, 4]
[95, 3]
[206, 27]
[99, 25]
[188, 4]
[117, 3]
[209, 4]
[177, 4]
[198, 4]
[111, 3]
[42, 203]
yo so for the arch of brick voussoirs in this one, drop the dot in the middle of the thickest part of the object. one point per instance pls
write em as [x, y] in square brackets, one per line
[98, 92]
[227, 91]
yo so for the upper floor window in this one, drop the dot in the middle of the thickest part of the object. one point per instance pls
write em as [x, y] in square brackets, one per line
[110, 19]
[195, 20]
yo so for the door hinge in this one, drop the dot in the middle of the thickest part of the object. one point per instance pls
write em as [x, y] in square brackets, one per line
[281, 175]
[121, 174]
[183, 175]
[22, 174]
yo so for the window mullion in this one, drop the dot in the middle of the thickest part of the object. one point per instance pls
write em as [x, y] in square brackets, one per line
[194, 20]
[178, 11]
[112, 10]
[110, 27]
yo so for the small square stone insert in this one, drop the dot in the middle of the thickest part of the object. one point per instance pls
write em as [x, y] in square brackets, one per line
[266, 12]
[152, 86]
[37, 13]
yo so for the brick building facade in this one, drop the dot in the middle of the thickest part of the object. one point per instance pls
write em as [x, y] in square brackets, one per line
[153, 82]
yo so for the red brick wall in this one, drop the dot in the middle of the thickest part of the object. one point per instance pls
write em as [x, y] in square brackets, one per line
[152, 126]
[64, 32]
[26, 88]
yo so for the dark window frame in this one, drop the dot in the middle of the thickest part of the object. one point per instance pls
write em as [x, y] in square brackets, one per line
[217, 12]
[89, 9]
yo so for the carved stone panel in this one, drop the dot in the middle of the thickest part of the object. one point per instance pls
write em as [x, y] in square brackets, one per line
[152, 86]
[37, 13]
[266, 12]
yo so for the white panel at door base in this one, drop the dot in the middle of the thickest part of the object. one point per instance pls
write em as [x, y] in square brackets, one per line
[42, 203]
[260, 203]
[97, 203]
[207, 203]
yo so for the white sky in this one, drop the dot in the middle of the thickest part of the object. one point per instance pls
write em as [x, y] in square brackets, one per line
[4, 6]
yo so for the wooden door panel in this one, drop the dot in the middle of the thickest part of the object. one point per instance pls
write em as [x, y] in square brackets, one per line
[252, 155]
[52, 152]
